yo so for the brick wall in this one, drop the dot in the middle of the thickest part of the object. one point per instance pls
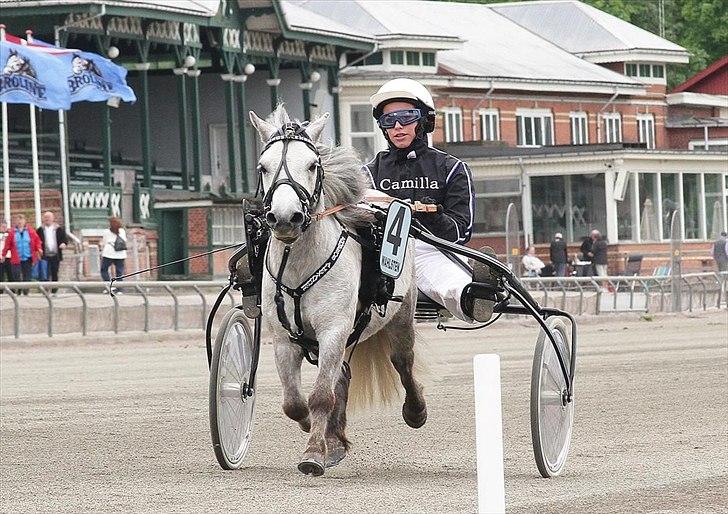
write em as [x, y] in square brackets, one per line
[23, 202]
[680, 137]
[198, 241]
[508, 102]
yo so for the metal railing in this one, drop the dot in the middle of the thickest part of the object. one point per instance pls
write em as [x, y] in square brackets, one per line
[629, 293]
[579, 295]
[144, 290]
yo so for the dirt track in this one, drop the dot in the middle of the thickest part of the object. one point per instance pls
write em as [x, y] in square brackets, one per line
[124, 427]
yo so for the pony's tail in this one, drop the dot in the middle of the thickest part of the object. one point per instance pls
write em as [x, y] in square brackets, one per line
[373, 377]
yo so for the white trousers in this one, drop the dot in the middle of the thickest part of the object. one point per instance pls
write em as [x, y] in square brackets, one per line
[439, 278]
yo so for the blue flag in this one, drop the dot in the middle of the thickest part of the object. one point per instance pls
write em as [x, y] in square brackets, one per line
[28, 76]
[91, 77]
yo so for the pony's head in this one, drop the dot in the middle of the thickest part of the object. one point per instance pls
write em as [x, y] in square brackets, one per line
[291, 173]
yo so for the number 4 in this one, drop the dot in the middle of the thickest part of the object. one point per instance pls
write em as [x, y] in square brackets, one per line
[394, 237]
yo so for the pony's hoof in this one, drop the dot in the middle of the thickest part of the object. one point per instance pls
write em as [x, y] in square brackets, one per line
[311, 466]
[415, 420]
[305, 424]
[335, 456]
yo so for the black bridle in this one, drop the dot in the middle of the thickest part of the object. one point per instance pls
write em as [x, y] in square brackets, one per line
[287, 133]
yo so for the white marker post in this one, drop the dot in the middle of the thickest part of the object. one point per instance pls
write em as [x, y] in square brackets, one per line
[489, 434]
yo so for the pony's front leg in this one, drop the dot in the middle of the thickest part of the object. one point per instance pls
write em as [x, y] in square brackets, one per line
[288, 362]
[322, 400]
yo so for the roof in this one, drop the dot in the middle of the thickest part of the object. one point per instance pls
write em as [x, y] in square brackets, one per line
[702, 75]
[505, 51]
[584, 30]
[383, 19]
[207, 8]
[304, 20]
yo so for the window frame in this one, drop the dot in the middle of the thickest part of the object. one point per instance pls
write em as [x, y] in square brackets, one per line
[223, 232]
[534, 114]
[494, 115]
[516, 193]
[455, 112]
[644, 121]
[612, 117]
[372, 135]
[580, 118]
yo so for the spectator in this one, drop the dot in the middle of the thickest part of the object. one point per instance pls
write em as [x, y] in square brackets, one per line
[113, 250]
[598, 254]
[583, 261]
[25, 249]
[54, 240]
[532, 264]
[719, 252]
[4, 265]
[558, 254]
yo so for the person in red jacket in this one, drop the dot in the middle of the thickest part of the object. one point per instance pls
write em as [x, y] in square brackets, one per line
[25, 249]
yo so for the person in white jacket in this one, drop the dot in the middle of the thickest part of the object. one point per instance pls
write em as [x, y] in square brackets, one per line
[532, 264]
[113, 249]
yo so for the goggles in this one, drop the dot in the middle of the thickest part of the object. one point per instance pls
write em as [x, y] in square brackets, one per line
[403, 117]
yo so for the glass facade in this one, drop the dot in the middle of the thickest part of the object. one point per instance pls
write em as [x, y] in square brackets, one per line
[649, 202]
[691, 197]
[588, 206]
[492, 197]
[713, 206]
[670, 200]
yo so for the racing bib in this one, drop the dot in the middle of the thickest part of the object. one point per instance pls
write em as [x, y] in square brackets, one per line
[394, 243]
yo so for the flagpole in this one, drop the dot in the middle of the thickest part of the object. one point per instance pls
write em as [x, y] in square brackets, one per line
[63, 156]
[6, 152]
[34, 151]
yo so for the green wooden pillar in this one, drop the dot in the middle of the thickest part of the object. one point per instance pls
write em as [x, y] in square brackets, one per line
[335, 89]
[182, 115]
[106, 143]
[273, 82]
[242, 131]
[306, 85]
[143, 69]
[230, 114]
[196, 130]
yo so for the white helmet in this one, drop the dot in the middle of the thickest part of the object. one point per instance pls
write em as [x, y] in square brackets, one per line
[405, 90]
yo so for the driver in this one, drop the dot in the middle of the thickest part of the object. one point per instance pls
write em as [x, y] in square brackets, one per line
[412, 170]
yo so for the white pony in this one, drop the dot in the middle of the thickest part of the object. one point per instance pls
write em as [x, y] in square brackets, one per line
[290, 172]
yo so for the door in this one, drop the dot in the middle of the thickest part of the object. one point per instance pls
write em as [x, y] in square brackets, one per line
[172, 243]
[219, 163]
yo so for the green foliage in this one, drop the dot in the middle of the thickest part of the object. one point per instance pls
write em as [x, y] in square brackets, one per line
[700, 26]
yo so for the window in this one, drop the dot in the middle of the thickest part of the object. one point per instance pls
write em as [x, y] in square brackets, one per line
[655, 73]
[413, 58]
[227, 226]
[692, 209]
[362, 130]
[489, 129]
[535, 127]
[612, 128]
[649, 222]
[713, 145]
[713, 205]
[453, 125]
[670, 200]
[428, 59]
[369, 60]
[646, 127]
[492, 197]
[626, 219]
[570, 204]
[396, 57]
[579, 128]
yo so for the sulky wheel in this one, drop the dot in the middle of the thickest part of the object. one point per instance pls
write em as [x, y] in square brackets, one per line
[552, 416]
[231, 409]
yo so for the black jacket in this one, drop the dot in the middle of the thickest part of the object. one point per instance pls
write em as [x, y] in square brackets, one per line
[60, 239]
[558, 252]
[599, 250]
[429, 175]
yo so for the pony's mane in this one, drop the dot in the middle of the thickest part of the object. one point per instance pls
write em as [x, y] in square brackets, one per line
[344, 179]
